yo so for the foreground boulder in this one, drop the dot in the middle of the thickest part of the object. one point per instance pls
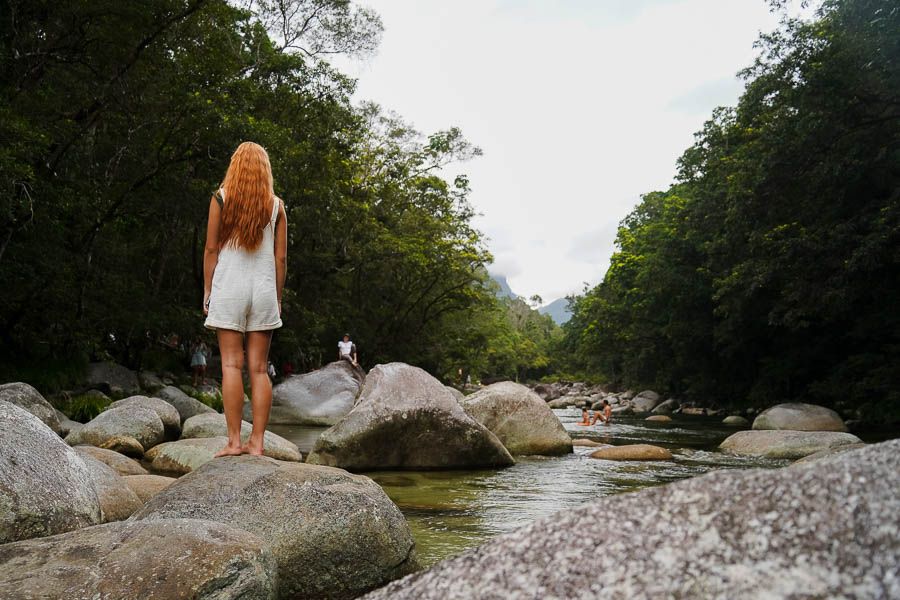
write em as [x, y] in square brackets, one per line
[321, 397]
[150, 560]
[799, 417]
[632, 452]
[167, 413]
[828, 529]
[406, 419]
[785, 444]
[333, 534]
[142, 424]
[186, 406]
[25, 396]
[117, 500]
[147, 486]
[117, 462]
[113, 379]
[45, 487]
[519, 418]
[213, 425]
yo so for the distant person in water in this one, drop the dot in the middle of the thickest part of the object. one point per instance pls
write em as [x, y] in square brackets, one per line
[585, 416]
[604, 414]
[199, 354]
[347, 350]
[243, 274]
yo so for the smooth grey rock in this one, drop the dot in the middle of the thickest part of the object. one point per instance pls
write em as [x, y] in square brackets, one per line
[406, 419]
[827, 529]
[142, 424]
[184, 456]
[321, 397]
[45, 487]
[146, 560]
[519, 418]
[150, 382]
[117, 500]
[186, 406]
[632, 452]
[666, 408]
[147, 486]
[828, 452]
[547, 391]
[168, 414]
[645, 401]
[333, 534]
[785, 444]
[25, 396]
[460, 397]
[66, 425]
[119, 463]
[562, 402]
[735, 421]
[213, 425]
[797, 416]
[124, 444]
[113, 379]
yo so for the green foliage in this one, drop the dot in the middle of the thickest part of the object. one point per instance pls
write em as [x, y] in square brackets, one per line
[85, 407]
[770, 271]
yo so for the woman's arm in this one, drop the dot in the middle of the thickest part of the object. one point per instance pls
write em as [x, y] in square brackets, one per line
[211, 255]
[280, 250]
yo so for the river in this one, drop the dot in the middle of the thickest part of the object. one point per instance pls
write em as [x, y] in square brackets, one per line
[451, 511]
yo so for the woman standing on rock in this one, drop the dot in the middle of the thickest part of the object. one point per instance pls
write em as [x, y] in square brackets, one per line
[243, 272]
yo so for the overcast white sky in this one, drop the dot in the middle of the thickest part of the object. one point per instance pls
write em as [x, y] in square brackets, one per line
[579, 106]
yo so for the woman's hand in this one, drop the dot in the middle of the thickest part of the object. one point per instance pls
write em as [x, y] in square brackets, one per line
[206, 303]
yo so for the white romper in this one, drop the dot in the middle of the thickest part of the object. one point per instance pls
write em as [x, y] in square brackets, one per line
[243, 296]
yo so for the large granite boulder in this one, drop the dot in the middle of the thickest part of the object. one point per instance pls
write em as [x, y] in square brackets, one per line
[667, 407]
[142, 424]
[117, 462]
[547, 391]
[406, 419]
[25, 396]
[45, 487]
[113, 379]
[147, 486]
[827, 529]
[150, 382]
[167, 413]
[320, 397]
[213, 425]
[117, 500]
[519, 418]
[333, 534]
[645, 402]
[184, 456]
[785, 444]
[147, 560]
[797, 416]
[186, 406]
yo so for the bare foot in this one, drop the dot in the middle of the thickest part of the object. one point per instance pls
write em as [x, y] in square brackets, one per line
[230, 450]
[252, 449]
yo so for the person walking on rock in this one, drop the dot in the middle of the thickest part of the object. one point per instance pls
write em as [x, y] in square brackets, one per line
[243, 272]
[347, 350]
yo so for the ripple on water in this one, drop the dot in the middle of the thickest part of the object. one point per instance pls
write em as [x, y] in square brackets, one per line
[451, 511]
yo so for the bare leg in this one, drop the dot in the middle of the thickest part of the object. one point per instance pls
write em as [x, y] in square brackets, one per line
[231, 345]
[260, 387]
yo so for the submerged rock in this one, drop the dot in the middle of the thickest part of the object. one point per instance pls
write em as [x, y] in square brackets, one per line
[186, 406]
[117, 462]
[519, 418]
[213, 425]
[785, 444]
[588, 443]
[142, 424]
[321, 397]
[167, 413]
[406, 419]
[827, 529]
[735, 421]
[45, 487]
[632, 452]
[25, 396]
[659, 418]
[333, 534]
[117, 500]
[146, 560]
[797, 416]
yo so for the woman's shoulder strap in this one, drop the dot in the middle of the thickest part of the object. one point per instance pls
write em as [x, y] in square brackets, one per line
[220, 197]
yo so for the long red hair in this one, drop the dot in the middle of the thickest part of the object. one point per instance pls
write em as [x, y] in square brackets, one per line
[248, 197]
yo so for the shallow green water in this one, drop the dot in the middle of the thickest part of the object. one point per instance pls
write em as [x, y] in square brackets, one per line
[450, 511]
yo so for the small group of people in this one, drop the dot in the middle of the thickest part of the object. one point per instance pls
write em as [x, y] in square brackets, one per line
[604, 414]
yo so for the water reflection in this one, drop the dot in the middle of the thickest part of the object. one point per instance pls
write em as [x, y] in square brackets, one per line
[450, 511]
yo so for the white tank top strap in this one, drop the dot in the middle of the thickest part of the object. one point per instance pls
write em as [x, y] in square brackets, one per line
[276, 202]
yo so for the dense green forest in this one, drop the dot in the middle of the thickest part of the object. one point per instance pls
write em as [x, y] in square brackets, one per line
[118, 120]
[771, 270]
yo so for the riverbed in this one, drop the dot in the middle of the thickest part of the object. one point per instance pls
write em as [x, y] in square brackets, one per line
[451, 511]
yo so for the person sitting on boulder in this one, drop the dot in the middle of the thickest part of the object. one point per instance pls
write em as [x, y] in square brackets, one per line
[347, 350]
[603, 415]
[585, 416]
